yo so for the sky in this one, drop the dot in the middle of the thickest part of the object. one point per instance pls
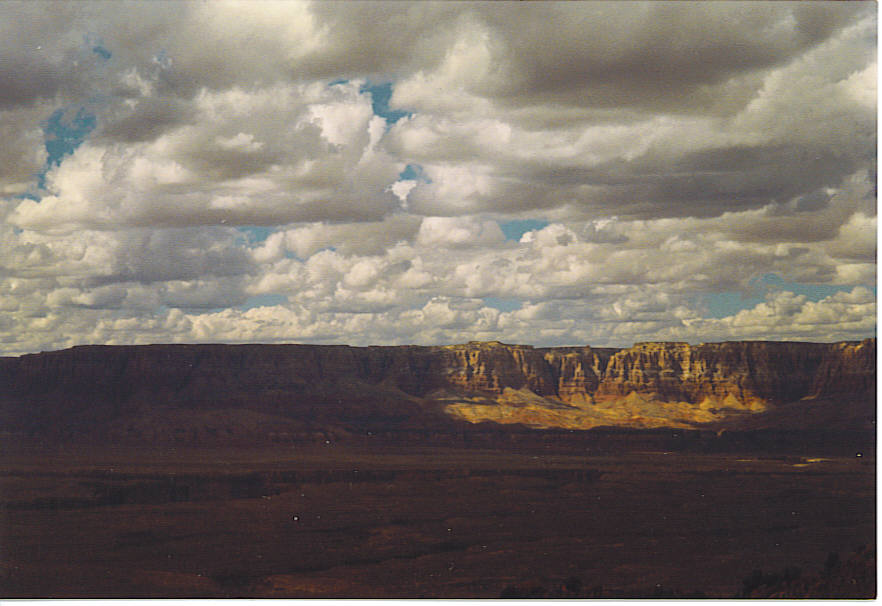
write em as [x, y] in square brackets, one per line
[433, 173]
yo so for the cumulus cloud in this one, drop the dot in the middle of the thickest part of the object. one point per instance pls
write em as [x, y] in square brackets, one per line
[238, 175]
[292, 153]
[806, 120]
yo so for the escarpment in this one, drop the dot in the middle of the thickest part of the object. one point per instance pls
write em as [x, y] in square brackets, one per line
[207, 391]
[761, 371]
[566, 372]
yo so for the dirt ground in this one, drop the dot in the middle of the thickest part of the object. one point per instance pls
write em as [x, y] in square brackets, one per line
[331, 521]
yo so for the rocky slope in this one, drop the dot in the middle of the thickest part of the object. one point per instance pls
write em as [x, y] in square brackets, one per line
[666, 384]
[208, 392]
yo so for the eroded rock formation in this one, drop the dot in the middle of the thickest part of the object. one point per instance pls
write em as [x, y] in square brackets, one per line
[212, 391]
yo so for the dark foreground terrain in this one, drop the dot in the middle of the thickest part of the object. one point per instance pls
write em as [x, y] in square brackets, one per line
[365, 520]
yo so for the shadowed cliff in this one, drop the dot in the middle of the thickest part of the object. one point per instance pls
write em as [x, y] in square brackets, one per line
[205, 393]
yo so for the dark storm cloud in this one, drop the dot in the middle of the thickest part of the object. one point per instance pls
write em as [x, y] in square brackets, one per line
[741, 105]
[388, 39]
[714, 181]
[150, 118]
[578, 53]
[705, 183]
[596, 53]
[652, 55]
[25, 79]
[162, 255]
[31, 67]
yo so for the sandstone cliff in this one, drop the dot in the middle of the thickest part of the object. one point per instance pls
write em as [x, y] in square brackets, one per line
[205, 392]
[662, 384]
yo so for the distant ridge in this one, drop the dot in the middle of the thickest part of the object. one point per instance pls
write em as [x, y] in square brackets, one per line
[215, 392]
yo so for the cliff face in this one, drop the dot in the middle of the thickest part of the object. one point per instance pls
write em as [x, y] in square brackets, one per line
[748, 371]
[295, 390]
[667, 384]
[567, 373]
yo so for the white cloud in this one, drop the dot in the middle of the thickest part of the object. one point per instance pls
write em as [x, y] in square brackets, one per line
[243, 142]
[444, 232]
[675, 151]
[281, 170]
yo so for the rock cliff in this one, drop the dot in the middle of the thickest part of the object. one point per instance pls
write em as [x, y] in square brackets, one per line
[206, 392]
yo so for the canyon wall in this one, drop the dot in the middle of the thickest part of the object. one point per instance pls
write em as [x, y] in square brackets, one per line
[663, 384]
[295, 390]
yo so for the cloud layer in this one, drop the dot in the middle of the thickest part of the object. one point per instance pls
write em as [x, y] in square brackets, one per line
[231, 172]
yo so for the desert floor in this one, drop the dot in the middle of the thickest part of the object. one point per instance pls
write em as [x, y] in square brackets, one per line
[335, 521]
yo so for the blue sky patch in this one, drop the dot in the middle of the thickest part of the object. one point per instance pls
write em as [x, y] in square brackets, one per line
[267, 300]
[102, 52]
[813, 292]
[413, 172]
[380, 95]
[162, 59]
[255, 234]
[64, 136]
[96, 45]
[723, 304]
[513, 230]
[503, 304]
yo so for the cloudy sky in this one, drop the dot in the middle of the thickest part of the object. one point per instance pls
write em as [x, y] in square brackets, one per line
[371, 173]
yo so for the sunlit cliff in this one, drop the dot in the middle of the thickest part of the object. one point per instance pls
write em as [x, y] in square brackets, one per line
[208, 392]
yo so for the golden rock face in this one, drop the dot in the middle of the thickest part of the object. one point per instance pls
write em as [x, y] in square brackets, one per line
[634, 410]
[650, 384]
